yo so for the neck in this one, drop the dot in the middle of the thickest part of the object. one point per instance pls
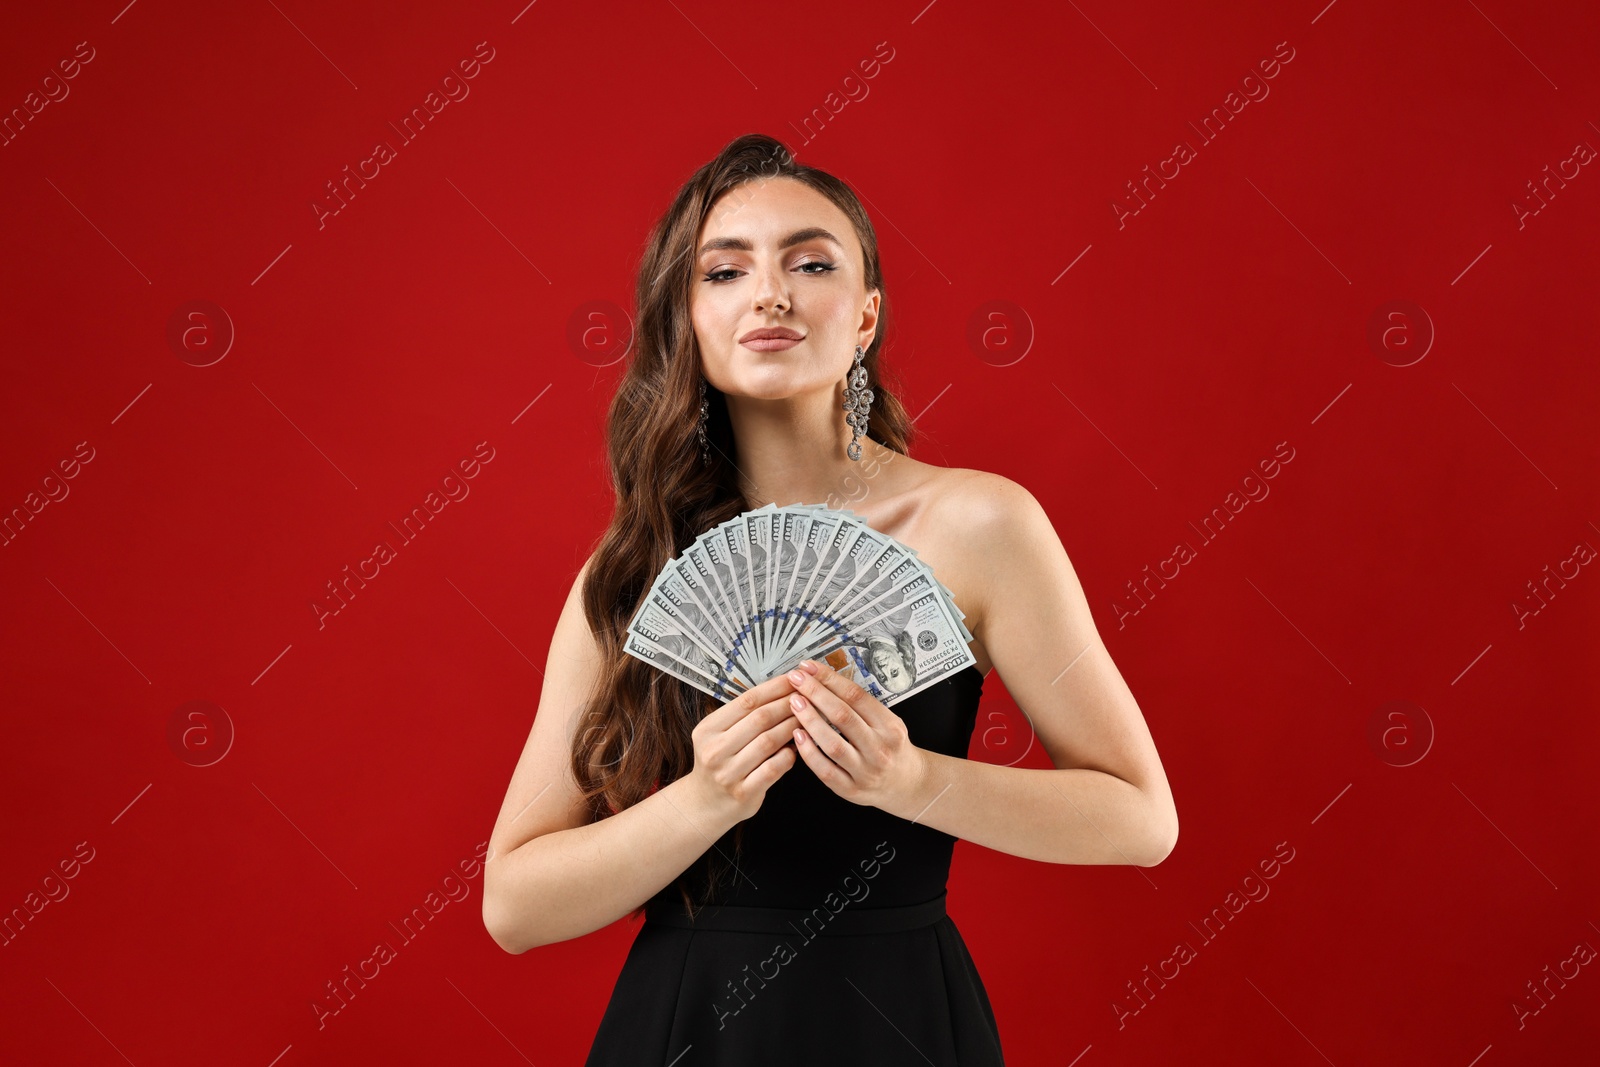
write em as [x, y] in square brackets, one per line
[792, 450]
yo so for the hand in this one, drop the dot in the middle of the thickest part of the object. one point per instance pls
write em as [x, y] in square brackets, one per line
[870, 760]
[741, 748]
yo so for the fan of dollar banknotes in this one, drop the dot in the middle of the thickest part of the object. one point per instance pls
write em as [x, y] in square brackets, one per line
[751, 598]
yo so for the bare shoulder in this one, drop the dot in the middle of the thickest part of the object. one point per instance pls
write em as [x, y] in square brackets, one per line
[984, 521]
[987, 501]
[981, 532]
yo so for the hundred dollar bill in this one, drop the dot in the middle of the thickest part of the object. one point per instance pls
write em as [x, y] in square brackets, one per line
[832, 544]
[761, 549]
[728, 570]
[811, 556]
[691, 576]
[718, 628]
[669, 610]
[901, 651]
[790, 525]
[852, 568]
[753, 596]
[736, 532]
[666, 660]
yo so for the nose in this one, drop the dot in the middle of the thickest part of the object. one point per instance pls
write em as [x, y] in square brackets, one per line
[771, 290]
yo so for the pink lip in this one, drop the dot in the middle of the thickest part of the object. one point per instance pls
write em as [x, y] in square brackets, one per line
[772, 344]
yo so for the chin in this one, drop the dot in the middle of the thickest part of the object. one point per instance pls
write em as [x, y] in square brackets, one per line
[774, 383]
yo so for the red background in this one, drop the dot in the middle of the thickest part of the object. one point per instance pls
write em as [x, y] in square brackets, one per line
[364, 357]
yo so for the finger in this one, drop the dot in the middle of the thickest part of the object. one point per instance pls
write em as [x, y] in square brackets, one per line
[764, 746]
[833, 707]
[748, 701]
[824, 737]
[773, 768]
[757, 721]
[862, 702]
[829, 772]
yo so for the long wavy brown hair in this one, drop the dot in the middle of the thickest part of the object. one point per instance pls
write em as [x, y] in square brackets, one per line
[633, 735]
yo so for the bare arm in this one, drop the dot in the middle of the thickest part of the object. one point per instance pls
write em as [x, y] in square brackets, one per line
[551, 874]
[567, 883]
[1107, 800]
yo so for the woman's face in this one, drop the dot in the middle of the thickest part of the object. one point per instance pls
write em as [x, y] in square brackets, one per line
[751, 278]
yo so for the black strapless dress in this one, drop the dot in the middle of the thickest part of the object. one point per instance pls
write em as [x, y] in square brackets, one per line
[831, 947]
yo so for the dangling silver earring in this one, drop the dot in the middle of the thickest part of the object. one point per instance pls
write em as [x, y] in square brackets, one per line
[705, 416]
[858, 405]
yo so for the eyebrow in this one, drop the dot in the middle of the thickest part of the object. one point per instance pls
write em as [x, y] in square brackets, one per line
[810, 233]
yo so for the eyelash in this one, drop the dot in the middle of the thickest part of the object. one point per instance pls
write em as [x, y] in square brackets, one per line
[824, 264]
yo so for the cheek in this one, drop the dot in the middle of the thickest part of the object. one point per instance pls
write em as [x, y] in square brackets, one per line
[716, 307]
[831, 305]
[709, 318]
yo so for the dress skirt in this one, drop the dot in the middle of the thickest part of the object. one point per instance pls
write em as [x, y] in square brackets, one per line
[779, 987]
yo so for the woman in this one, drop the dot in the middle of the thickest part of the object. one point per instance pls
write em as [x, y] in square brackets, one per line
[796, 914]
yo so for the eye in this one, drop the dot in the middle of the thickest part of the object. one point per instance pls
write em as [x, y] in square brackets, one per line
[717, 277]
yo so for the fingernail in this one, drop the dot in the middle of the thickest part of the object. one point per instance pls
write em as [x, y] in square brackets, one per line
[796, 701]
[810, 667]
[797, 678]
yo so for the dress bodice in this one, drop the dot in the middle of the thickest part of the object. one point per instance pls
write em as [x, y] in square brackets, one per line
[806, 841]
